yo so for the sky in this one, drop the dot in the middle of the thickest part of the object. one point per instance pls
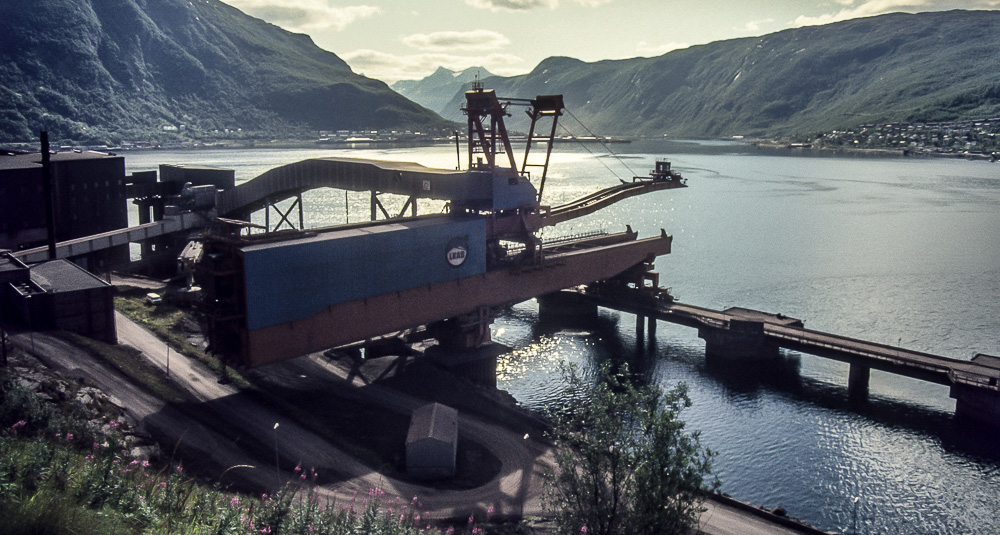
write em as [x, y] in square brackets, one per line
[409, 39]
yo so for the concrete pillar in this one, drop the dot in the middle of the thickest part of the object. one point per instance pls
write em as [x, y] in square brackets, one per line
[145, 247]
[857, 382]
[640, 325]
[652, 327]
[744, 340]
[977, 404]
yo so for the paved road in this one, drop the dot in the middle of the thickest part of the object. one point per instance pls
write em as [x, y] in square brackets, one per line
[515, 491]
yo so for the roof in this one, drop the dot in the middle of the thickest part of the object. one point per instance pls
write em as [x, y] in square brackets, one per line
[34, 160]
[435, 421]
[347, 231]
[64, 276]
[987, 360]
[197, 167]
[10, 263]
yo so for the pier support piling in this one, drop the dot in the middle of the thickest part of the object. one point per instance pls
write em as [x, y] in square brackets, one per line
[742, 340]
[979, 405]
[857, 382]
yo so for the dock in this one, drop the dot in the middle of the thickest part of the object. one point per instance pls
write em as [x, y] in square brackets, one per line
[751, 336]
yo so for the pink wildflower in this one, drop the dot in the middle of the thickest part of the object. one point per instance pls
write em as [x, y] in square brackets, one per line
[583, 529]
[69, 436]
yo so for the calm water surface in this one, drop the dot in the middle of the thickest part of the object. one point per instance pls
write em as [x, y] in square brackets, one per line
[893, 250]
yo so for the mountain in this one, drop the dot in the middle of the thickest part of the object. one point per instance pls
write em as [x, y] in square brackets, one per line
[937, 66]
[99, 70]
[435, 91]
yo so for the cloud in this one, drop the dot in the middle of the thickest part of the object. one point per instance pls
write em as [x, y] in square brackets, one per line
[391, 67]
[867, 8]
[870, 8]
[645, 49]
[754, 25]
[526, 5]
[305, 15]
[446, 41]
[511, 5]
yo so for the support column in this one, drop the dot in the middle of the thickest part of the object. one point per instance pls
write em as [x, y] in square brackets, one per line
[857, 382]
[640, 325]
[465, 347]
[302, 219]
[742, 340]
[652, 327]
[977, 404]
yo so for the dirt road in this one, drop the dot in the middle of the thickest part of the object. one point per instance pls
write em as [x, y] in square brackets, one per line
[514, 492]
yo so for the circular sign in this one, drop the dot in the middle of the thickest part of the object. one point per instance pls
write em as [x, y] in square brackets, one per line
[457, 251]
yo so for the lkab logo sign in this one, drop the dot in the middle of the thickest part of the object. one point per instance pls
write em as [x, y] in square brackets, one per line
[457, 251]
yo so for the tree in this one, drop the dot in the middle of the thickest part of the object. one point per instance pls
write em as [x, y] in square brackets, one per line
[624, 461]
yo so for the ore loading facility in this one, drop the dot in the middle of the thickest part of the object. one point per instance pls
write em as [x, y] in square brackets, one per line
[279, 294]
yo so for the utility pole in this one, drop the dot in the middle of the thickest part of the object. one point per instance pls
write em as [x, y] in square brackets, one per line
[277, 470]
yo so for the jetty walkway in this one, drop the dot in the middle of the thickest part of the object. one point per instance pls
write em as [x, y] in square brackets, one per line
[753, 336]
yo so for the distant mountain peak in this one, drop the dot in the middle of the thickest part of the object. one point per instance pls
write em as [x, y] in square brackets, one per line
[436, 90]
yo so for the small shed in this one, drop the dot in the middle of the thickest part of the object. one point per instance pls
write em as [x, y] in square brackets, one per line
[432, 442]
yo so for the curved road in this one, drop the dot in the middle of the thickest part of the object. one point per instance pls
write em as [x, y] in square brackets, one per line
[515, 492]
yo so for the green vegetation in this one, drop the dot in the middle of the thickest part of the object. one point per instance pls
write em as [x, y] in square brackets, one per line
[62, 474]
[939, 66]
[166, 322]
[93, 72]
[625, 463]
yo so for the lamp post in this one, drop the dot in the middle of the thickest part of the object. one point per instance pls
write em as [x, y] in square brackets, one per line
[3, 332]
[31, 326]
[854, 529]
[277, 469]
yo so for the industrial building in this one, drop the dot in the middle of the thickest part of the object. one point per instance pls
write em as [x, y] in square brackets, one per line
[432, 442]
[88, 194]
[280, 294]
[56, 294]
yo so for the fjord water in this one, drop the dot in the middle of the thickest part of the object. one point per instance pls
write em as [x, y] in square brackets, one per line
[893, 250]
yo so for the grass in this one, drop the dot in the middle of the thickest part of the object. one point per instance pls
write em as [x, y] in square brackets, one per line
[53, 480]
[166, 320]
[128, 361]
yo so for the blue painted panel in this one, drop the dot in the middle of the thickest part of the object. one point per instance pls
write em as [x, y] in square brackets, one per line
[298, 279]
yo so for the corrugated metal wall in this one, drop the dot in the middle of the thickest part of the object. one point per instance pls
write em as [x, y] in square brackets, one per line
[298, 279]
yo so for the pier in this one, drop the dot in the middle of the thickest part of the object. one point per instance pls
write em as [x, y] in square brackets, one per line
[751, 336]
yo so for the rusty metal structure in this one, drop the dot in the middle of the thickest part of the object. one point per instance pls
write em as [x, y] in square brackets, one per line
[285, 293]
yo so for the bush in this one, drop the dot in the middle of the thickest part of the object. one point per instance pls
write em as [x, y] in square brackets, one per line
[625, 463]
